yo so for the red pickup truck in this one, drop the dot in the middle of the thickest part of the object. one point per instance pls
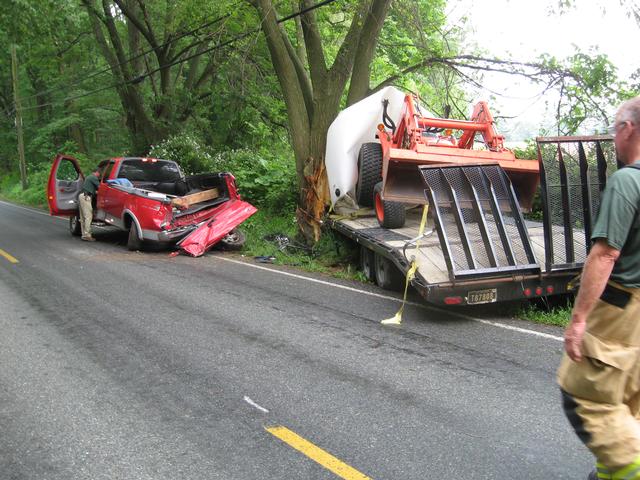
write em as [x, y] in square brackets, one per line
[152, 200]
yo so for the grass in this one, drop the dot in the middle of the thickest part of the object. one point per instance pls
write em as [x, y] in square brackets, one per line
[558, 315]
[275, 236]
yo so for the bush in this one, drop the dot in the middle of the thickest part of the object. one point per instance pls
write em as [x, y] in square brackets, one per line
[268, 181]
[36, 192]
[187, 150]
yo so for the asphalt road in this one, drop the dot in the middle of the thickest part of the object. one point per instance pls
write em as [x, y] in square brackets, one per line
[129, 365]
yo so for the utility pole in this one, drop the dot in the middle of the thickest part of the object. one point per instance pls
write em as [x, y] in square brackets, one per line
[16, 99]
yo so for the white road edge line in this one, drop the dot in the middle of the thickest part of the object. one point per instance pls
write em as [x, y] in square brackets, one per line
[32, 210]
[255, 405]
[396, 299]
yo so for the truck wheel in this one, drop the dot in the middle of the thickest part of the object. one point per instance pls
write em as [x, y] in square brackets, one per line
[389, 214]
[369, 172]
[387, 274]
[234, 240]
[366, 263]
[134, 241]
[74, 226]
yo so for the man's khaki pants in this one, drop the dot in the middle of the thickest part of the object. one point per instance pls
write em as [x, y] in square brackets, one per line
[86, 214]
[601, 393]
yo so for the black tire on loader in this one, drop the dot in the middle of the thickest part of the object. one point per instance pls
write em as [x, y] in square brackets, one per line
[389, 214]
[369, 172]
[74, 226]
[387, 274]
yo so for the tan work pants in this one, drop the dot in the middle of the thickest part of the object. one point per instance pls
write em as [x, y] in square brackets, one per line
[86, 214]
[602, 392]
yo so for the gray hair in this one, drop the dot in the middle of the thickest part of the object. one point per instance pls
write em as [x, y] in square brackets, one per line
[629, 111]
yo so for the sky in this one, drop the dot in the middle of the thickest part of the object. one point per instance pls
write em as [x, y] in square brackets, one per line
[523, 29]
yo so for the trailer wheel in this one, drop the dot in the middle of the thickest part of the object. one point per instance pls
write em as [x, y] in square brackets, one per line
[389, 214]
[387, 274]
[367, 263]
[74, 226]
[369, 172]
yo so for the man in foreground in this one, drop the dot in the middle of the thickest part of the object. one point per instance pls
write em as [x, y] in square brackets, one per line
[600, 371]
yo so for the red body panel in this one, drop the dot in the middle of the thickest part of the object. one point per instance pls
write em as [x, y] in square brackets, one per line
[56, 188]
[228, 216]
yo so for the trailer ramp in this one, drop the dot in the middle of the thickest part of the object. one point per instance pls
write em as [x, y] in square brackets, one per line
[479, 222]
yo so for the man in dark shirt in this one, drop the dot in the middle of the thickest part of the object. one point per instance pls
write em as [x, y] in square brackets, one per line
[600, 371]
[89, 190]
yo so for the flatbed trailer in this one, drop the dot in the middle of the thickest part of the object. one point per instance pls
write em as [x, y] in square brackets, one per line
[477, 246]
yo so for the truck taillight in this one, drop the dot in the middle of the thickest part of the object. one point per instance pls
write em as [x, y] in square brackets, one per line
[538, 290]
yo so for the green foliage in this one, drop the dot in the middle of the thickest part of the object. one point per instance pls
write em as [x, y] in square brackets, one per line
[190, 153]
[559, 316]
[36, 193]
[333, 254]
[266, 180]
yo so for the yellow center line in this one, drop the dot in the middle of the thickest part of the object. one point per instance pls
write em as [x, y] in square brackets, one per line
[316, 454]
[8, 257]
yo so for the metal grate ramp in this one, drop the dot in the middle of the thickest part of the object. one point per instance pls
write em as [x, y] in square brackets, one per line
[478, 221]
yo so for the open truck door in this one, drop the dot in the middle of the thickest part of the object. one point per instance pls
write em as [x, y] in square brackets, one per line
[65, 183]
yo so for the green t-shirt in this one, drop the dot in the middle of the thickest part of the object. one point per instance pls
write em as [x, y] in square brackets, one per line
[618, 222]
[90, 184]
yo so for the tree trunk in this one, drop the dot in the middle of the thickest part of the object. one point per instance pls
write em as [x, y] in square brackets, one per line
[312, 96]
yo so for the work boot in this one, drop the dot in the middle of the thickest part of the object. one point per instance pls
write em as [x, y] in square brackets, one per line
[88, 239]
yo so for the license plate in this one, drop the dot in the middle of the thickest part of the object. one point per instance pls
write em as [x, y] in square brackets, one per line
[482, 296]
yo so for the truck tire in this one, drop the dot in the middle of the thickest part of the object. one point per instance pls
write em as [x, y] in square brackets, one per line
[389, 214]
[74, 226]
[134, 242]
[366, 263]
[369, 172]
[234, 240]
[387, 274]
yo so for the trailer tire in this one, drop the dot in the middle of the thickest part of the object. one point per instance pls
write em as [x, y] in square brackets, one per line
[389, 214]
[387, 274]
[367, 260]
[74, 226]
[369, 172]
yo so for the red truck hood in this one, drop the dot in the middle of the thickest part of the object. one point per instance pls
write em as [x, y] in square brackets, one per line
[228, 216]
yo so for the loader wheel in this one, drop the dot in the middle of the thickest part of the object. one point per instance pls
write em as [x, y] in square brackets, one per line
[387, 274]
[74, 226]
[134, 242]
[367, 263]
[389, 214]
[369, 172]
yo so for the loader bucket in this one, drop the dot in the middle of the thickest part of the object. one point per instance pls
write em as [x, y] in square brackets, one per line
[403, 183]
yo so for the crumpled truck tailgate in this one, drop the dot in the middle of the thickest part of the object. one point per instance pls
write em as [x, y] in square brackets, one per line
[229, 216]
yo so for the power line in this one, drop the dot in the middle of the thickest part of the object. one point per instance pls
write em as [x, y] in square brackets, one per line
[215, 47]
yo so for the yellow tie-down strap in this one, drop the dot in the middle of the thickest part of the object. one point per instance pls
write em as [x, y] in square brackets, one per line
[411, 273]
